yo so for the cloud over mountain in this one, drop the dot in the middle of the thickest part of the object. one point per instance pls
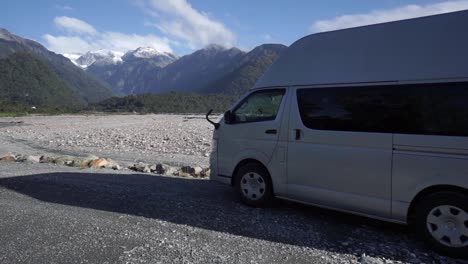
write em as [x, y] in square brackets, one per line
[81, 37]
[381, 16]
[178, 19]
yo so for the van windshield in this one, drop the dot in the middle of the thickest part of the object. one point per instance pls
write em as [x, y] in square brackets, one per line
[259, 106]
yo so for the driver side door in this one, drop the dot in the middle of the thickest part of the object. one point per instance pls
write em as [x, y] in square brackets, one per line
[253, 131]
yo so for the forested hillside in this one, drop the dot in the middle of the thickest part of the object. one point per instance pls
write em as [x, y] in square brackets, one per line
[27, 80]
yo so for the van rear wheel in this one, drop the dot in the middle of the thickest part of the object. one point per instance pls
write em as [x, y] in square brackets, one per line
[442, 222]
[254, 185]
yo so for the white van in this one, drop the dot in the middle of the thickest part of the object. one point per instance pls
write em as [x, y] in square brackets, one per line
[370, 120]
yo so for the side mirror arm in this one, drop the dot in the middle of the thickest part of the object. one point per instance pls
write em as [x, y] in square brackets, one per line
[216, 125]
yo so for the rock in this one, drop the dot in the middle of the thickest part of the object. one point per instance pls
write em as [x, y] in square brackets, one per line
[112, 164]
[184, 174]
[161, 168]
[206, 154]
[172, 171]
[140, 167]
[20, 158]
[206, 172]
[364, 259]
[77, 163]
[152, 168]
[45, 159]
[98, 163]
[8, 157]
[188, 170]
[32, 159]
[197, 171]
[85, 162]
[62, 160]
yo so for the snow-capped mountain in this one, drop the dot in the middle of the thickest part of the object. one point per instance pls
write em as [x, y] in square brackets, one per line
[147, 53]
[103, 56]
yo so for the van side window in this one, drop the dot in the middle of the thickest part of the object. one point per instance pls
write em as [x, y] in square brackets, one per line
[259, 106]
[427, 109]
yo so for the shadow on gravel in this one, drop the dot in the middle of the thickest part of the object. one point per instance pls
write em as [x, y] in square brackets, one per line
[212, 206]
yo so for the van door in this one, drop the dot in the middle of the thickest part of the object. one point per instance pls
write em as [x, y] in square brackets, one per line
[253, 132]
[333, 159]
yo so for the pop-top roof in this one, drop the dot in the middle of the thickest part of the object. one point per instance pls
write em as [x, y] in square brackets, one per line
[434, 47]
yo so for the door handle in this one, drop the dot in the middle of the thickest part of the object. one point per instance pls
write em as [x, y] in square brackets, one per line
[298, 134]
[271, 131]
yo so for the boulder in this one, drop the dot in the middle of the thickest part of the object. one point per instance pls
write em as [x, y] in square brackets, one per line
[98, 163]
[76, 162]
[171, 171]
[197, 171]
[62, 160]
[140, 167]
[206, 172]
[8, 157]
[44, 159]
[112, 164]
[32, 159]
[188, 170]
[85, 162]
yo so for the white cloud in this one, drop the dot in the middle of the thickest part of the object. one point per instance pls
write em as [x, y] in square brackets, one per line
[179, 19]
[123, 42]
[64, 7]
[67, 44]
[81, 42]
[381, 16]
[74, 25]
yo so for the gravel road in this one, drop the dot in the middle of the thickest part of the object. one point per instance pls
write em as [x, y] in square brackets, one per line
[58, 214]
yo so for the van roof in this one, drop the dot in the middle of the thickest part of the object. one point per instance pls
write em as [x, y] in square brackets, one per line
[433, 47]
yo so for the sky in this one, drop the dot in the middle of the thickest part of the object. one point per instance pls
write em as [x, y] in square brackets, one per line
[183, 26]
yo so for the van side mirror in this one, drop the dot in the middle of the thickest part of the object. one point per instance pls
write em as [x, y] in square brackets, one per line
[228, 117]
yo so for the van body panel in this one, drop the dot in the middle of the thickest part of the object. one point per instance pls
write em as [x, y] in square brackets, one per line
[347, 170]
[247, 141]
[416, 169]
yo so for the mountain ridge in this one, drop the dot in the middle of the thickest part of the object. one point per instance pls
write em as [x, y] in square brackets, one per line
[88, 87]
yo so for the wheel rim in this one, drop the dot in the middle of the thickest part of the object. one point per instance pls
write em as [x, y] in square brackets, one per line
[448, 225]
[252, 186]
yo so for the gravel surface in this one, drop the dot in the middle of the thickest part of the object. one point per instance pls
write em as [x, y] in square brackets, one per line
[174, 139]
[58, 214]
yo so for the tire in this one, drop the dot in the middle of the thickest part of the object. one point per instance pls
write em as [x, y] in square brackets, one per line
[253, 185]
[442, 222]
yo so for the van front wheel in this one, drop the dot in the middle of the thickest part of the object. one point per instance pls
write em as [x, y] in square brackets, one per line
[442, 221]
[254, 185]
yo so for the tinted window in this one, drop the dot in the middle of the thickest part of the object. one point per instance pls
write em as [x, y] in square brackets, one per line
[259, 106]
[435, 109]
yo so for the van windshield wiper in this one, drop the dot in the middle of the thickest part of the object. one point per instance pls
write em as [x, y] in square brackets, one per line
[216, 125]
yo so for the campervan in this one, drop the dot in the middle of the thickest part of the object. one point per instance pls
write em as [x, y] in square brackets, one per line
[370, 120]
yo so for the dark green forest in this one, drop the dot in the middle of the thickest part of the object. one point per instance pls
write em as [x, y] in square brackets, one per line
[166, 103]
[27, 81]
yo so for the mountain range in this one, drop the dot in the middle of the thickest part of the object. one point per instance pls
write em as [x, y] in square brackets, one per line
[97, 75]
[213, 69]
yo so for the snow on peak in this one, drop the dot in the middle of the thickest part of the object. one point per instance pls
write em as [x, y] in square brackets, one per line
[102, 56]
[147, 53]
[216, 47]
